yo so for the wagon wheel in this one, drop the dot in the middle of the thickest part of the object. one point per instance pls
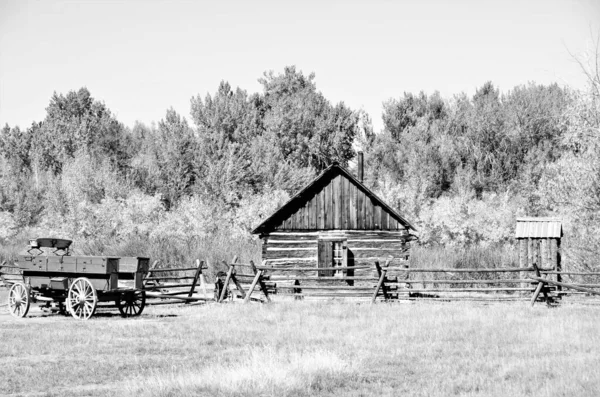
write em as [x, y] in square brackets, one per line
[131, 303]
[18, 300]
[82, 299]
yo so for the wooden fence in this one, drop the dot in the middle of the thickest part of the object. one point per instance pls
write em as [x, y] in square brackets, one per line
[370, 282]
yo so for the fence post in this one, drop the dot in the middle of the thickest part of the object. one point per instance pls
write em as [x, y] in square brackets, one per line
[539, 288]
[263, 287]
[203, 282]
[226, 283]
[382, 272]
[199, 264]
[238, 286]
[257, 277]
[155, 282]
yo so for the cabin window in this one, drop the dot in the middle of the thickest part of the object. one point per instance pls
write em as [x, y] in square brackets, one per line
[332, 254]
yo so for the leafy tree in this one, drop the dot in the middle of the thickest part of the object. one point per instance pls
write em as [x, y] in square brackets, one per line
[15, 147]
[174, 153]
[76, 121]
[303, 125]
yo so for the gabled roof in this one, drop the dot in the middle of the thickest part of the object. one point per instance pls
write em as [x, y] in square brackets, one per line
[538, 228]
[302, 195]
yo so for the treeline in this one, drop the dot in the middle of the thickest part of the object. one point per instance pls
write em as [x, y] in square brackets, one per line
[461, 168]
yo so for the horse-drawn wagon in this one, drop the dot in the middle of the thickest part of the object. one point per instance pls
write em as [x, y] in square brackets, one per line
[75, 284]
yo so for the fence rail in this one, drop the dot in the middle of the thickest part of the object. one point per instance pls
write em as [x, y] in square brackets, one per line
[375, 282]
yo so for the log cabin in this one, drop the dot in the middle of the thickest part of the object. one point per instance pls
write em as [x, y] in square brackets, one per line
[335, 221]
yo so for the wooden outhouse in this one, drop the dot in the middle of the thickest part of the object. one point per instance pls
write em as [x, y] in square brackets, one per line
[335, 221]
[539, 242]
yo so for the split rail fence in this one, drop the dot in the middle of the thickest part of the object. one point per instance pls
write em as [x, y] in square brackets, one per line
[370, 282]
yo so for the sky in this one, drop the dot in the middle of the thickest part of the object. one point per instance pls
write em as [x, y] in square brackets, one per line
[142, 57]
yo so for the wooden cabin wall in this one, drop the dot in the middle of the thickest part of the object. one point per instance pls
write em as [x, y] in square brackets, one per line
[339, 205]
[300, 249]
[544, 252]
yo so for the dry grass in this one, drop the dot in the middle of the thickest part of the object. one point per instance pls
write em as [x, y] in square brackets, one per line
[490, 257]
[305, 349]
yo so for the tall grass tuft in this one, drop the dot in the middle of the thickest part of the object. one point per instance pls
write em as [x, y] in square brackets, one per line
[488, 257]
[260, 372]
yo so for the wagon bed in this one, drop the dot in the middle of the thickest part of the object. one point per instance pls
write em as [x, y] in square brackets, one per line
[74, 284]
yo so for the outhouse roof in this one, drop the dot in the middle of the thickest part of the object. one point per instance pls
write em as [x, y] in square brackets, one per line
[538, 228]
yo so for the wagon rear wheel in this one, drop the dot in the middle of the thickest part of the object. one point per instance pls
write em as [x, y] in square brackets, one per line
[82, 299]
[18, 300]
[131, 303]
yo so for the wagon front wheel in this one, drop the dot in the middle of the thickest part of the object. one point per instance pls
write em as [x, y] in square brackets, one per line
[131, 303]
[82, 299]
[18, 300]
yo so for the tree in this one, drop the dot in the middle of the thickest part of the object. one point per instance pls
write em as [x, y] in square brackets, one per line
[174, 153]
[303, 125]
[15, 147]
[76, 121]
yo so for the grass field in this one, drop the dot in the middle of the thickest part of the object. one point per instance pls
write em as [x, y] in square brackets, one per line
[305, 349]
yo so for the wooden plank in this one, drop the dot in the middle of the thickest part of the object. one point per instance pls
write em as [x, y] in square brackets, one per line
[343, 203]
[360, 209]
[291, 244]
[565, 285]
[503, 289]
[322, 208]
[294, 248]
[346, 203]
[505, 281]
[286, 254]
[547, 261]
[167, 286]
[314, 216]
[467, 270]
[296, 236]
[292, 261]
[369, 213]
[393, 223]
[306, 215]
[173, 269]
[377, 217]
[379, 253]
[351, 192]
[334, 278]
[287, 269]
[327, 218]
[384, 219]
[318, 210]
[553, 252]
[373, 244]
[174, 297]
[335, 199]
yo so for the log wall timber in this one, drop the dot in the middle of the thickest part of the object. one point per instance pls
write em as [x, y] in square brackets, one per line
[295, 250]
